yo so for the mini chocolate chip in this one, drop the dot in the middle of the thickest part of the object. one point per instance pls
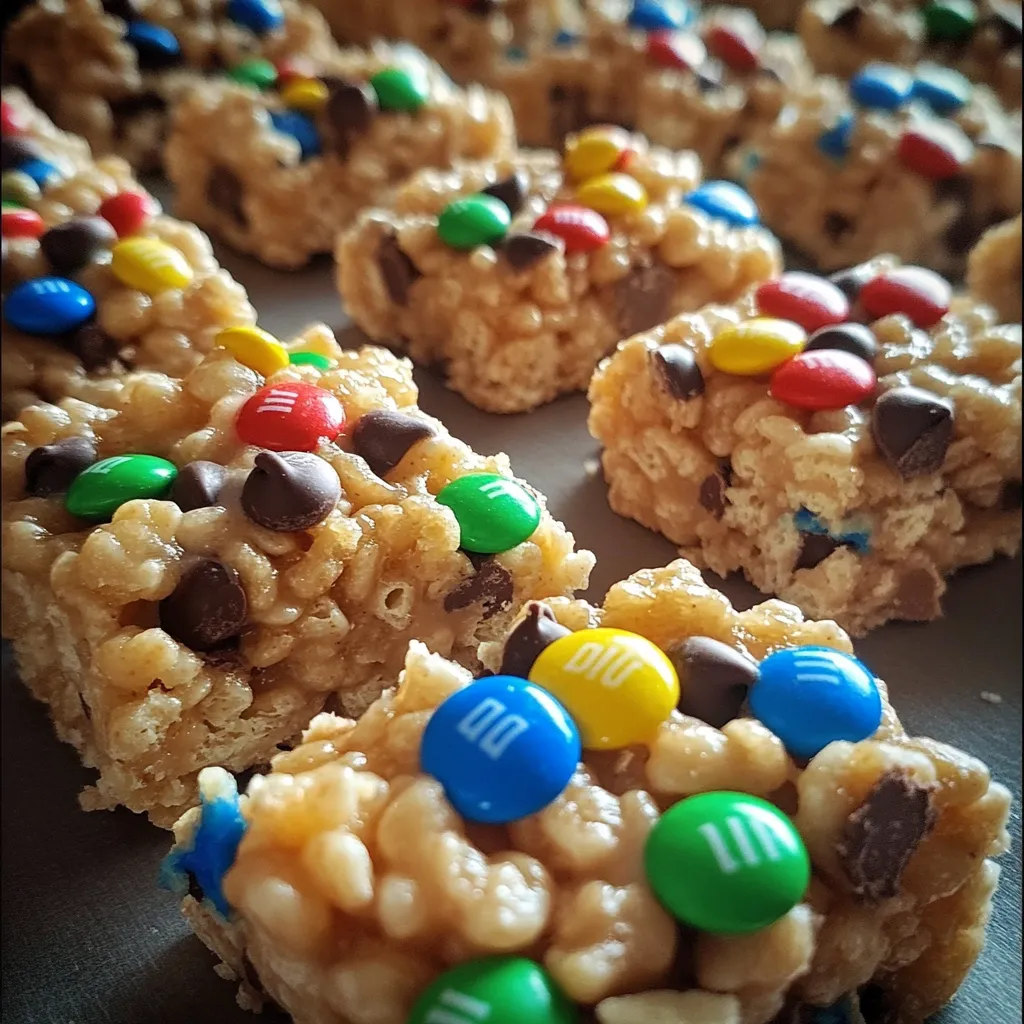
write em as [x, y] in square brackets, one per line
[568, 105]
[397, 269]
[525, 248]
[857, 339]
[382, 437]
[852, 279]
[712, 495]
[290, 490]
[918, 595]
[74, 244]
[197, 485]
[511, 191]
[224, 192]
[491, 584]
[713, 679]
[678, 371]
[835, 225]
[15, 151]
[643, 298]
[348, 113]
[123, 9]
[880, 837]
[94, 347]
[1010, 496]
[538, 630]
[814, 549]
[206, 608]
[912, 428]
[50, 468]
[847, 18]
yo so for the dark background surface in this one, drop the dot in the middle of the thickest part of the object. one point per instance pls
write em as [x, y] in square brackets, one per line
[89, 938]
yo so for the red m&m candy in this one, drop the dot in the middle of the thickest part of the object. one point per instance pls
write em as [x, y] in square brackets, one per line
[934, 149]
[823, 379]
[682, 50]
[293, 417]
[807, 300]
[737, 48]
[22, 224]
[917, 293]
[581, 230]
[11, 122]
[127, 212]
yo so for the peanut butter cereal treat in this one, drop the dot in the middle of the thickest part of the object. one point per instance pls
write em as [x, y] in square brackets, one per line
[917, 163]
[845, 443]
[749, 834]
[96, 281]
[994, 270]
[519, 274]
[109, 71]
[981, 39]
[279, 172]
[188, 579]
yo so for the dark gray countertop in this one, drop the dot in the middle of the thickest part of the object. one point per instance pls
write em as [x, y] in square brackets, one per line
[88, 938]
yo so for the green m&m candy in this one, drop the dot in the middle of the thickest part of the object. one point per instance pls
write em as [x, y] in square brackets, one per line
[255, 71]
[493, 512]
[950, 19]
[101, 489]
[498, 990]
[726, 863]
[322, 363]
[473, 220]
[399, 89]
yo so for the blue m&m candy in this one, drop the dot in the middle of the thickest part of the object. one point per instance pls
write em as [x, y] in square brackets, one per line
[42, 172]
[566, 38]
[882, 86]
[502, 747]
[655, 15]
[300, 127]
[835, 141]
[155, 46]
[811, 696]
[48, 305]
[260, 16]
[724, 201]
[942, 89]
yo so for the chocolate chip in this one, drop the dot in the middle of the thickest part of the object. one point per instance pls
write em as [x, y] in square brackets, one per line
[207, 607]
[857, 339]
[814, 549]
[678, 371]
[1010, 496]
[94, 347]
[912, 428]
[835, 225]
[224, 192]
[511, 191]
[383, 437]
[523, 249]
[538, 630]
[491, 585]
[397, 269]
[847, 18]
[74, 244]
[290, 490]
[713, 679]
[712, 495]
[852, 279]
[568, 110]
[643, 298]
[50, 468]
[880, 837]
[918, 595]
[197, 485]
[348, 113]
[15, 151]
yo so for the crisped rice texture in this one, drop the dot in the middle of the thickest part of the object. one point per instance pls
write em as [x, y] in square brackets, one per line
[994, 270]
[511, 340]
[767, 460]
[330, 609]
[357, 883]
[284, 209]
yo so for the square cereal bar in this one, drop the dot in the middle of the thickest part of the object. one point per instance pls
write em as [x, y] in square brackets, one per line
[707, 873]
[519, 274]
[994, 269]
[95, 279]
[847, 468]
[257, 540]
[279, 172]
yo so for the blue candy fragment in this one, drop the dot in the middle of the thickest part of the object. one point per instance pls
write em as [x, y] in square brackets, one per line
[515, 53]
[656, 15]
[566, 38]
[854, 533]
[155, 45]
[725, 201]
[259, 16]
[42, 172]
[834, 142]
[214, 844]
[882, 86]
[300, 127]
[48, 306]
[944, 90]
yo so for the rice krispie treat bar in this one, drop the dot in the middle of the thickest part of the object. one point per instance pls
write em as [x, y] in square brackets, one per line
[109, 71]
[845, 443]
[994, 269]
[187, 580]
[95, 280]
[279, 172]
[745, 856]
[914, 162]
[981, 38]
[519, 274]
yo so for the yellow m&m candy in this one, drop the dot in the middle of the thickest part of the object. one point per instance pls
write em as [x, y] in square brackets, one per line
[756, 346]
[149, 265]
[595, 151]
[618, 686]
[613, 194]
[305, 94]
[254, 348]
